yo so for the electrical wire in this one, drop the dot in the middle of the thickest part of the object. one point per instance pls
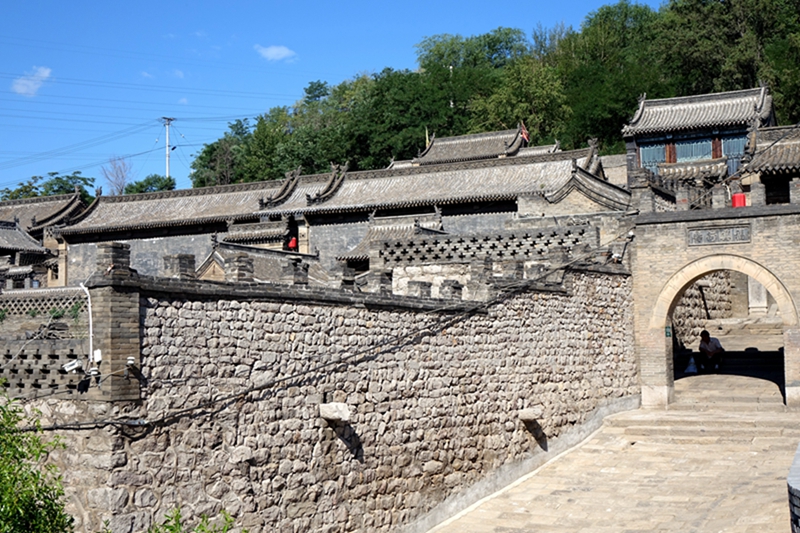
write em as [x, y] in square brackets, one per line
[393, 343]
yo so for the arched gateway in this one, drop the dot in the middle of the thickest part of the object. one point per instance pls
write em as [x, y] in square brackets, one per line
[674, 249]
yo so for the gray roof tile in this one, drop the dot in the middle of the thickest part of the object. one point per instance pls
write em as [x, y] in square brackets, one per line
[485, 180]
[707, 168]
[735, 108]
[39, 210]
[13, 238]
[471, 147]
[777, 150]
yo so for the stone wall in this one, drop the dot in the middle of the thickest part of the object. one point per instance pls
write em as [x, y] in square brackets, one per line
[230, 414]
[709, 298]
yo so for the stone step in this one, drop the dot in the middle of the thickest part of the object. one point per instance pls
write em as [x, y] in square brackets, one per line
[698, 420]
[743, 432]
[739, 408]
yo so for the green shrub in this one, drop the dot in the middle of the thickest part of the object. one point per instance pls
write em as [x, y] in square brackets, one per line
[31, 494]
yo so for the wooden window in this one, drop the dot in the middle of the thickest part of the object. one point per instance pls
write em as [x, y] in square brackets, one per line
[671, 154]
[716, 148]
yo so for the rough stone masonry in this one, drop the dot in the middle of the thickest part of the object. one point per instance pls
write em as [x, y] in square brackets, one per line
[434, 404]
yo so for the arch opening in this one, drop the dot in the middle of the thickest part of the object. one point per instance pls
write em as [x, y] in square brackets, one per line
[674, 352]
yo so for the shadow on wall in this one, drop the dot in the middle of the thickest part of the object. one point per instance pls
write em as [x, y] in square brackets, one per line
[347, 434]
[535, 429]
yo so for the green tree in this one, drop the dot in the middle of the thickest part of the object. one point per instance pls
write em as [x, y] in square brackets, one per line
[55, 184]
[152, 183]
[490, 50]
[222, 162]
[604, 68]
[529, 91]
[26, 189]
[31, 494]
[723, 45]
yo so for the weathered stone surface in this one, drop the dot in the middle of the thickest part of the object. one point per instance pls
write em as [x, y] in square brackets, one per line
[434, 402]
[334, 412]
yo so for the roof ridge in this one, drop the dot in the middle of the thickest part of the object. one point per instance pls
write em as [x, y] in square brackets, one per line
[706, 97]
[476, 136]
[38, 199]
[194, 191]
[565, 155]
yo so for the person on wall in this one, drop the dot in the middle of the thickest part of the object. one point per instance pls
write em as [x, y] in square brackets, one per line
[710, 353]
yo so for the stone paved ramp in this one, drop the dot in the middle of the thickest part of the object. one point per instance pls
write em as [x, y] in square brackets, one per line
[717, 460]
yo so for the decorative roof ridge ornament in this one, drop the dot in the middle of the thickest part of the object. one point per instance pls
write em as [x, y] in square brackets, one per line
[338, 172]
[284, 192]
[427, 149]
[639, 110]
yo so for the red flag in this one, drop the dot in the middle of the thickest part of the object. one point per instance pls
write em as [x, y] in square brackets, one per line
[524, 133]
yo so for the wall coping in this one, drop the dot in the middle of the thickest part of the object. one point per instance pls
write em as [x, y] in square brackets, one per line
[672, 217]
[284, 292]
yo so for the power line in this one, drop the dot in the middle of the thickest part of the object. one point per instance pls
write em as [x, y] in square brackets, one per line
[394, 342]
[89, 143]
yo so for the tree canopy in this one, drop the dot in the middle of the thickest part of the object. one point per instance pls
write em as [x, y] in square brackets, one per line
[53, 185]
[565, 84]
[152, 183]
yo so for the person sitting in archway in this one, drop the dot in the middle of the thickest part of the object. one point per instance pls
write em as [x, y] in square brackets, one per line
[710, 353]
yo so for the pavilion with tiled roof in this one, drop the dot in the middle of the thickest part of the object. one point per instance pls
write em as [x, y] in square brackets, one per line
[690, 137]
[733, 109]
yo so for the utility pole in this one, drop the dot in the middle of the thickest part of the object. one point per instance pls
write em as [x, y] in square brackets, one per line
[167, 121]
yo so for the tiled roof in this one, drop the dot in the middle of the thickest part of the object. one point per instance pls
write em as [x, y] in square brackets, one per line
[539, 150]
[476, 181]
[41, 210]
[471, 147]
[777, 150]
[735, 108]
[173, 208]
[473, 181]
[13, 238]
[708, 168]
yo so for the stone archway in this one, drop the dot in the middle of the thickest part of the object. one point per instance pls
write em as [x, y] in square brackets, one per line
[656, 351]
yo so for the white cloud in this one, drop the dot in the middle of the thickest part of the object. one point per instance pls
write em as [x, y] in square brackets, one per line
[183, 101]
[200, 34]
[29, 84]
[146, 74]
[274, 53]
[178, 74]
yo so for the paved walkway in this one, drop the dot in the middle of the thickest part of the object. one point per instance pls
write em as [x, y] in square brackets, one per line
[716, 461]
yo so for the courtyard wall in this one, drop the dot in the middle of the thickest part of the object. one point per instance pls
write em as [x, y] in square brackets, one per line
[229, 414]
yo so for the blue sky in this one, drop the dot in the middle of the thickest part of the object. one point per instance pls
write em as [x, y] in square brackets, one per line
[82, 82]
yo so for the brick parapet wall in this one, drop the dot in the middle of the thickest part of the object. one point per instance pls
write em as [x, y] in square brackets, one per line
[434, 400]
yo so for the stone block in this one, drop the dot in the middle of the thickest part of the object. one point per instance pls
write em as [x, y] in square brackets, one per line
[533, 414]
[334, 412]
